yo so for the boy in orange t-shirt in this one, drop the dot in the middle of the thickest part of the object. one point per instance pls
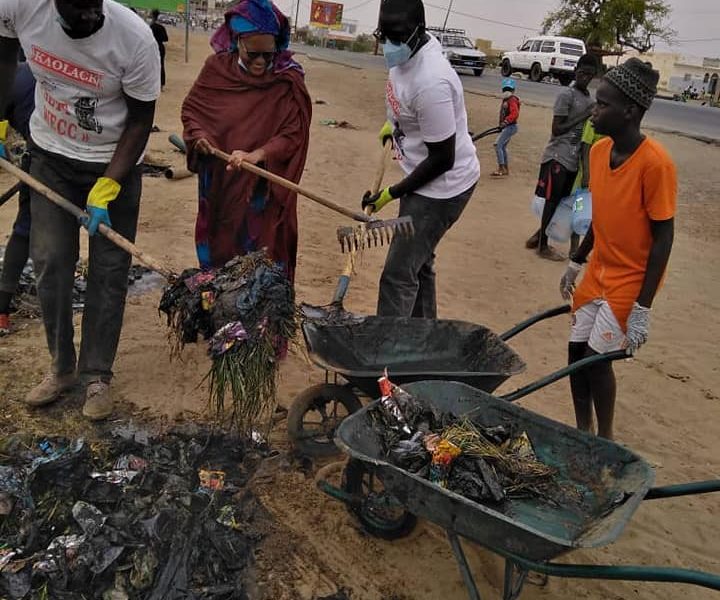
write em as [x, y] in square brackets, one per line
[634, 187]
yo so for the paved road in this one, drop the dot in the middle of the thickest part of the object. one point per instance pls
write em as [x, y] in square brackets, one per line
[689, 119]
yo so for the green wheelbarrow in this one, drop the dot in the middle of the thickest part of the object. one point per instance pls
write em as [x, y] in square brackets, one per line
[611, 480]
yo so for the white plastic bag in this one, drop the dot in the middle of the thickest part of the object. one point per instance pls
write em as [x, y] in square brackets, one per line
[561, 225]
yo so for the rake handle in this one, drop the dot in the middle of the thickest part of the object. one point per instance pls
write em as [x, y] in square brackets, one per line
[79, 214]
[286, 183]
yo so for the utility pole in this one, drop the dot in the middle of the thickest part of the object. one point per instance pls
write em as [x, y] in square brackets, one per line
[447, 15]
[297, 16]
[187, 31]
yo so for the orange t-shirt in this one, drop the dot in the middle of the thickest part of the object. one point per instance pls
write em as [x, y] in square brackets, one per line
[624, 201]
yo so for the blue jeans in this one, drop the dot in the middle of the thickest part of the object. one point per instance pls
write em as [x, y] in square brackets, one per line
[502, 141]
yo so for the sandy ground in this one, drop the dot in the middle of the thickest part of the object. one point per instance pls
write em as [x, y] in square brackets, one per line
[668, 397]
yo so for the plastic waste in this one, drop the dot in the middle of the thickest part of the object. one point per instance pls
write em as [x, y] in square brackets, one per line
[560, 227]
[582, 211]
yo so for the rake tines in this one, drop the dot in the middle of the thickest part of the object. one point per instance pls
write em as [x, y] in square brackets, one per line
[374, 233]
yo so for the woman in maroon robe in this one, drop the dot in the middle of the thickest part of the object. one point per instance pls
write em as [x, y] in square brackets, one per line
[249, 99]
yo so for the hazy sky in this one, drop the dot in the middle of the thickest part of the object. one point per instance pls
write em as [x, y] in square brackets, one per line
[692, 19]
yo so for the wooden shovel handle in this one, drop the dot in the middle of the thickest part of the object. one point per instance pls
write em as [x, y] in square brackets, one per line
[286, 183]
[79, 214]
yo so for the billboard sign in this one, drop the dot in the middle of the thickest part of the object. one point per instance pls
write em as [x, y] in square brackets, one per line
[168, 6]
[326, 14]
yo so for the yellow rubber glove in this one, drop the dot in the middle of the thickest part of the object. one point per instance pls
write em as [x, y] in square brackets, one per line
[386, 133]
[103, 193]
[377, 201]
[4, 125]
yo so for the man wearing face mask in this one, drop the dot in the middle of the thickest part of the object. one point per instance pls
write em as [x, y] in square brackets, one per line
[427, 124]
[98, 75]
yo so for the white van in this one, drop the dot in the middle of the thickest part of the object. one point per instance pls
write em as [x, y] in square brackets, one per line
[545, 55]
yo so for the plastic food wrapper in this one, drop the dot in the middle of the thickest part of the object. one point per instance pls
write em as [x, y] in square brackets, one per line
[131, 462]
[90, 518]
[390, 403]
[431, 441]
[211, 481]
[207, 299]
[69, 545]
[521, 446]
[126, 469]
[442, 458]
[199, 279]
[54, 454]
[227, 337]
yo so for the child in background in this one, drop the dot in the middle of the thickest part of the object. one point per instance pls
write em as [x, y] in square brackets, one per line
[509, 113]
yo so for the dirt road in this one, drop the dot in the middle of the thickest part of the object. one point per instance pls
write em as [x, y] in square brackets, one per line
[668, 399]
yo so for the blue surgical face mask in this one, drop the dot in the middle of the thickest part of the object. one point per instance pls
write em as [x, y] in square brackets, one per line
[396, 54]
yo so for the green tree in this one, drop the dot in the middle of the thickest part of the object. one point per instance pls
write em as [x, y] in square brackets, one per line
[613, 24]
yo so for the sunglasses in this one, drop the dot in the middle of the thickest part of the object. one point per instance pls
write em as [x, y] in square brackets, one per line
[253, 56]
[394, 36]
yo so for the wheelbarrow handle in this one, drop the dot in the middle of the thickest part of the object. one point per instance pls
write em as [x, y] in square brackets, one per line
[683, 489]
[621, 573]
[487, 132]
[564, 372]
[526, 324]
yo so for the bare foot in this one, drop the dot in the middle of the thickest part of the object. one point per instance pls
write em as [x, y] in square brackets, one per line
[550, 253]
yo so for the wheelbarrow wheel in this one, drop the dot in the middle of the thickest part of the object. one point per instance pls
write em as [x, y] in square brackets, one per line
[315, 415]
[379, 513]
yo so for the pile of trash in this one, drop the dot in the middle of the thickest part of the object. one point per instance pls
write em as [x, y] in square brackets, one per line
[246, 310]
[138, 517]
[485, 464]
[25, 301]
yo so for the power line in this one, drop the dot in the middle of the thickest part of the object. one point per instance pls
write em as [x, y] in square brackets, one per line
[493, 21]
[345, 10]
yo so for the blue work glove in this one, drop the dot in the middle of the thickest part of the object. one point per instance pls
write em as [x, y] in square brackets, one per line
[103, 193]
[377, 201]
[3, 136]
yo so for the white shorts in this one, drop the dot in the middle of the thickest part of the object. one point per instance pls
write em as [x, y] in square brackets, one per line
[595, 323]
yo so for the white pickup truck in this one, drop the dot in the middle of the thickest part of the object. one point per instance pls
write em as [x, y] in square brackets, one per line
[544, 55]
[459, 50]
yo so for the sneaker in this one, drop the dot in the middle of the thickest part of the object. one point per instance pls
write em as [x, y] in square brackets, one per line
[98, 404]
[50, 389]
[4, 324]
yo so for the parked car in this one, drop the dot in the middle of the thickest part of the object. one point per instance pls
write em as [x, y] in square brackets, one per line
[459, 50]
[167, 19]
[544, 55]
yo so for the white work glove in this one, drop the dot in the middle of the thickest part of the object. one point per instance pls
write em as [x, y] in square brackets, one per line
[567, 281]
[638, 324]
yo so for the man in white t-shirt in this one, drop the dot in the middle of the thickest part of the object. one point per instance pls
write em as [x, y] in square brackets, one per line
[427, 124]
[98, 76]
